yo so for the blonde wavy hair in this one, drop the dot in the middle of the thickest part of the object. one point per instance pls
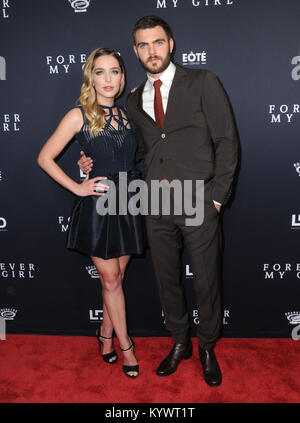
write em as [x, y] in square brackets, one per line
[88, 98]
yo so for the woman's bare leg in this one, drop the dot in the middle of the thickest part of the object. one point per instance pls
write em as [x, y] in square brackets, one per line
[107, 327]
[110, 272]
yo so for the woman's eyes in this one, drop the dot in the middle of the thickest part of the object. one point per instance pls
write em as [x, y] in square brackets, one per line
[114, 72]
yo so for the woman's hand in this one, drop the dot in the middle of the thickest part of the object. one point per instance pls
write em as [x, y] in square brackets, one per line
[85, 163]
[133, 89]
[91, 186]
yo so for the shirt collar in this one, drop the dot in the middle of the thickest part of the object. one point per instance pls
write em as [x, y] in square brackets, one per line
[166, 77]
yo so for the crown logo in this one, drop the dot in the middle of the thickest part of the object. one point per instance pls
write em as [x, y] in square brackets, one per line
[293, 317]
[8, 313]
[92, 271]
[80, 5]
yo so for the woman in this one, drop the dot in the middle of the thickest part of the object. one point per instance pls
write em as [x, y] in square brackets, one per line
[104, 133]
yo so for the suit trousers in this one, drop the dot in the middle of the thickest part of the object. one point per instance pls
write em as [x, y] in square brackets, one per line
[166, 236]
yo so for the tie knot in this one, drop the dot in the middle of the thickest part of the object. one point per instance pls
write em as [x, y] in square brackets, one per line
[157, 84]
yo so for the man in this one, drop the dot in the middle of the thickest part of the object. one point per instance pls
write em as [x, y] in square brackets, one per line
[186, 132]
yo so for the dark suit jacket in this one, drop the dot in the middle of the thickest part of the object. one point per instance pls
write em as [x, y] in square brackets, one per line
[198, 139]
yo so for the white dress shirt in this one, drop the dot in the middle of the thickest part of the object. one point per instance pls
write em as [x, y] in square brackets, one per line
[148, 93]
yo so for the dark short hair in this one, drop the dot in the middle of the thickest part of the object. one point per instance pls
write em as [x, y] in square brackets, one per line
[150, 22]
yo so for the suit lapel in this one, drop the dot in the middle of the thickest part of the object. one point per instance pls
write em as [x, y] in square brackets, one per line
[139, 97]
[176, 94]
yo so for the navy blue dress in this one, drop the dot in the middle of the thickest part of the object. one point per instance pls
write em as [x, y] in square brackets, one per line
[113, 151]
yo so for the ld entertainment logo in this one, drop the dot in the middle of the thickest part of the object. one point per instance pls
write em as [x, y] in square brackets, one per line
[80, 5]
[96, 315]
[82, 175]
[2, 69]
[295, 221]
[3, 224]
[188, 272]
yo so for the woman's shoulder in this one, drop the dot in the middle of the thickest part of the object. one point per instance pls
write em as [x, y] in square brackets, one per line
[76, 112]
[76, 117]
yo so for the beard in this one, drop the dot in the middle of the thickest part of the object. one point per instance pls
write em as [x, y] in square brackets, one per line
[156, 68]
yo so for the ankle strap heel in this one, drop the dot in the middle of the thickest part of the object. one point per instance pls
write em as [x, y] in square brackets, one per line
[110, 358]
[127, 349]
[128, 369]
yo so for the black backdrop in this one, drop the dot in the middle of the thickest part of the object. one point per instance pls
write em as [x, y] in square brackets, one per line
[254, 47]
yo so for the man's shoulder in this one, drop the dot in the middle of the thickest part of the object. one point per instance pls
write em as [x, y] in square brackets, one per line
[130, 99]
[133, 95]
[195, 73]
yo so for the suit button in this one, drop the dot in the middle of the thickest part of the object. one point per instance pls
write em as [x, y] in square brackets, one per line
[163, 136]
[161, 160]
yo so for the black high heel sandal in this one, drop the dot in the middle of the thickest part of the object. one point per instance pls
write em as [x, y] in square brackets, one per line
[106, 357]
[127, 369]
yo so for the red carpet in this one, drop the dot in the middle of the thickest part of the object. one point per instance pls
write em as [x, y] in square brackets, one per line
[65, 369]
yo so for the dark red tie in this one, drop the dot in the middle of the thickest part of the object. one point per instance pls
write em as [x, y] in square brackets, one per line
[158, 106]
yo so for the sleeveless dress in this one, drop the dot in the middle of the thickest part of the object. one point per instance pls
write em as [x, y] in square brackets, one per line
[112, 151]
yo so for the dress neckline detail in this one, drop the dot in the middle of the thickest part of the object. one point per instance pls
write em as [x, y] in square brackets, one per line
[107, 107]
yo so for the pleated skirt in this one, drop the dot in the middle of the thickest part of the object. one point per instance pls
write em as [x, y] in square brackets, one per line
[106, 236]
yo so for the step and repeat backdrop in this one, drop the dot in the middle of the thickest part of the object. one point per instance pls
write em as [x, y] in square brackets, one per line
[254, 48]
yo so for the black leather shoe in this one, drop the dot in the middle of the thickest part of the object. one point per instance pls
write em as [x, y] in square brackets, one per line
[170, 363]
[211, 370]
